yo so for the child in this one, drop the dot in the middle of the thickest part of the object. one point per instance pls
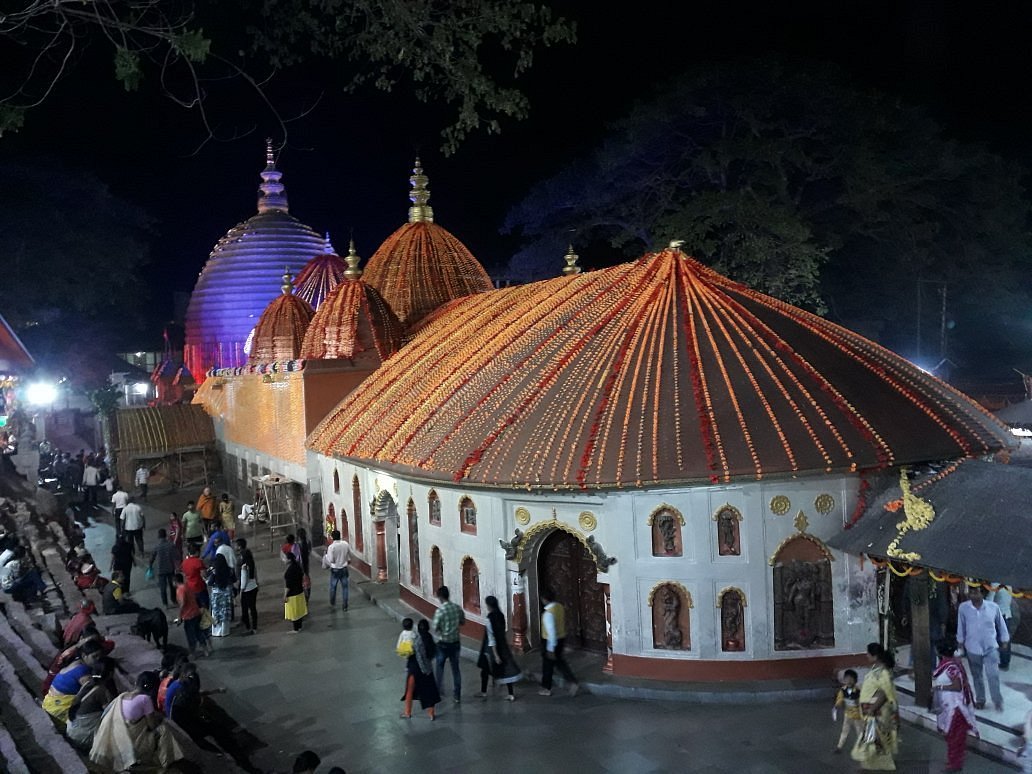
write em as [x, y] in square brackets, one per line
[406, 640]
[848, 697]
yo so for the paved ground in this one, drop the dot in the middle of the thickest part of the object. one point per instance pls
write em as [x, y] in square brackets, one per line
[334, 688]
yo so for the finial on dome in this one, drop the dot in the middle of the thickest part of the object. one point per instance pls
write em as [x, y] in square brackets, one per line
[352, 272]
[676, 244]
[288, 282]
[273, 195]
[571, 266]
[420, 211]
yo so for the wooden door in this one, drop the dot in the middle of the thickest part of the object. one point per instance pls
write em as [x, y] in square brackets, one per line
[565, 566]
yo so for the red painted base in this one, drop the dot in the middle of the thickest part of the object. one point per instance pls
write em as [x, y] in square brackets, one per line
[470, 628]
[682, 670]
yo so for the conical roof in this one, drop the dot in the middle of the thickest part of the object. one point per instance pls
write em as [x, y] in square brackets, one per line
[233, 287]
[281, 328]
[320, 276]
[421, 265]
[653, 372]
[353, 319]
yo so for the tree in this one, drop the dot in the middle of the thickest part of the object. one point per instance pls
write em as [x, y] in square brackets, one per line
[802, 187]
[73, 255]
[439, 47]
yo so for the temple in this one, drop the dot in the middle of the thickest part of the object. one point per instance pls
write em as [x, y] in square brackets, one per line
[669, 450]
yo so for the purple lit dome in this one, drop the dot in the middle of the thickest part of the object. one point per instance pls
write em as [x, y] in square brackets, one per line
[233, 287]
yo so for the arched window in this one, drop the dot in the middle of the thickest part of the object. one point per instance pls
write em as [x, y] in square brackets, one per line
[436, 569]
[345, 531]
[434, 507]
[468, 515]
[336, 482]
[671, 622]
[356, 491]
[666, 523]
[804, 604]
[470, 585]
[413, 527]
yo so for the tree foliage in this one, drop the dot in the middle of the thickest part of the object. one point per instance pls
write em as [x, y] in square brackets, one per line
[73, 258]
[466, 54]
[804, 188]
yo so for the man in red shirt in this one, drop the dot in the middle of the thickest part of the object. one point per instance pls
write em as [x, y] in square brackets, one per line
[193, 572]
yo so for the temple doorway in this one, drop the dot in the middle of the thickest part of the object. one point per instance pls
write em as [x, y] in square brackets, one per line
[565, 565]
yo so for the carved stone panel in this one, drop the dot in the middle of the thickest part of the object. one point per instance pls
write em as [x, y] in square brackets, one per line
[729, 531]
[732, 620]
[671, 621]
[666, 532]
[804, 610]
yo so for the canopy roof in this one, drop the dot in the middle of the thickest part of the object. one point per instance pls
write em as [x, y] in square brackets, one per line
[656, 371]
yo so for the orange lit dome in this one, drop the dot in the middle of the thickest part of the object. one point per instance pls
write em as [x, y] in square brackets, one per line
[652, 372]
[320, 276]
[281, 328]
[421, 265]
[353, 319]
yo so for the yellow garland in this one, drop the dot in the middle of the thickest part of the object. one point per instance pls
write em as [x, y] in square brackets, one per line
[919, 514]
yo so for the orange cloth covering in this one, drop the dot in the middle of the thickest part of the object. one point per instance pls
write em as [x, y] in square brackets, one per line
[206, 506]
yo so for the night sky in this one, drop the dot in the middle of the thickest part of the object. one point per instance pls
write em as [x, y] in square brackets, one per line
[346, 164]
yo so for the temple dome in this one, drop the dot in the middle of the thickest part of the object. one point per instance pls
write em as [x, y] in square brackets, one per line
[320, 276]
[655, 372]
[281, 328]
[353, 319]
[233, 287]
[421, 265]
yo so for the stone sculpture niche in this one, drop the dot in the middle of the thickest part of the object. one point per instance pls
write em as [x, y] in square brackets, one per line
[804, 609]
[732, 621]
[670, 619]
[729, 531]
[666, 532]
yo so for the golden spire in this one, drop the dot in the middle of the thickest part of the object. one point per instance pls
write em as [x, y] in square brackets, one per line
[288, 282]
[353, 272]
[420, 211]
[571, 266]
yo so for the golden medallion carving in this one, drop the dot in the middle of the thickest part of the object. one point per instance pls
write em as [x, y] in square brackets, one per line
[824, 503]
[522, 516]
[780, 505]
[587, 521]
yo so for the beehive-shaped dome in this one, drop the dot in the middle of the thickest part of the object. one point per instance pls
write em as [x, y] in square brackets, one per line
[320, 276]
[281, 328]
[653, 372]
[353, 319]
[233, 288]
[421, 265]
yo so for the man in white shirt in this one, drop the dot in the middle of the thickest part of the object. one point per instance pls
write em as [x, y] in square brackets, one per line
[142, 477]
[336, 558]
[981, 630]
[132, 525]
[91, 481]
[119, 500]
[226, 550]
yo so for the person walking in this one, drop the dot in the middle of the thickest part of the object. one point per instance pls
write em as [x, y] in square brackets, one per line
[420, 683]
[227, 521]
[133, 524]
[119, 499]
[1011, 616]
[248, 588]
[955, 716]
[206, 505]
[447, 620]
[553, 630]
[142, 480]
[175, 534]
[295, 608]
[164, 556]
[980, 631]
[336, 559]
[877, 751]
[304, 546]
[193, 571]
[91, 482]
[222, 578]
[190, 616]
[847, 699]
[193, 525]
[496, 660]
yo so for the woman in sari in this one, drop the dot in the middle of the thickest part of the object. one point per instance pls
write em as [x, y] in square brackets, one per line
[496, 660]
[956, 716]
[88, 708]
[175, 533]
[132, 733]
[295, 608]
[420, 683]
[69, 681]
[221, 596]
[876, 749]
